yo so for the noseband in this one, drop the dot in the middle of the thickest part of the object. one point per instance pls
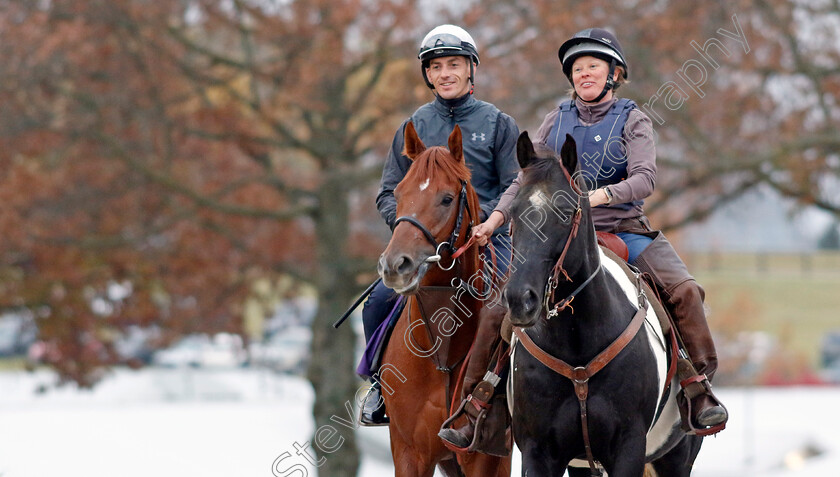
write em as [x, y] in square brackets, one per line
[448, 245]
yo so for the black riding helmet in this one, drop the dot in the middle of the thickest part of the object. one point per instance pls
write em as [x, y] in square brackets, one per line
[595, 42]
[447, 40]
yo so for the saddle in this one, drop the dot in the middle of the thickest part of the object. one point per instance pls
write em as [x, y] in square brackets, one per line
[374, 351]
[614, 244]
[647, 285]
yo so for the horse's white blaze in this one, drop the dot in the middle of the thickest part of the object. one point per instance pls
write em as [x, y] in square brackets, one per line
[661, 428]
[537, 199]
[424, 185]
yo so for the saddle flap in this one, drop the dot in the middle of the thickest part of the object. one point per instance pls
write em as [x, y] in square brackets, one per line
[614, 244]
[654, 300]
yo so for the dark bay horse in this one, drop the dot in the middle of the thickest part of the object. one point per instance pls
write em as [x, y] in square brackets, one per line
[589, 368]
[436, 207]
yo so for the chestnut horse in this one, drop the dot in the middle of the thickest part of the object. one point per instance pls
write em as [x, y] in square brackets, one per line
[591, 371]
[436, 208]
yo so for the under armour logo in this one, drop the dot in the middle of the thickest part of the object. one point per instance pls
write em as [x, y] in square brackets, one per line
[476, 136]
[598, 138]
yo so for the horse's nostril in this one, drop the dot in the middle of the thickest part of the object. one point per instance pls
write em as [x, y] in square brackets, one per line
[530, 300]
[524, 305]
[404, 264]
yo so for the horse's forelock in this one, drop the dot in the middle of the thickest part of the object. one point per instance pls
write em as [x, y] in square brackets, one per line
[436, 160]
[543, 166]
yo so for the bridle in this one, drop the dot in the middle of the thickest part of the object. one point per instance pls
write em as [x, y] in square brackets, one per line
[448, 245]
[554, 277]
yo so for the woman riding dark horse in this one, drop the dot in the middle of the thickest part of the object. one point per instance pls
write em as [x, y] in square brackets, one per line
[616, 144]
[590, 375]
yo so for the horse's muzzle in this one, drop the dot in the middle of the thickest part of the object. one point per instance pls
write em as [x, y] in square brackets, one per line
[524, 305]
[401, 272]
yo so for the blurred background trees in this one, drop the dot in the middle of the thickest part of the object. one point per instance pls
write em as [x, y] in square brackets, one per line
[158, 159]
[730, 118]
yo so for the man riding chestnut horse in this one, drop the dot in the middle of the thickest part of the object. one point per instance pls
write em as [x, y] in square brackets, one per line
[448, 63]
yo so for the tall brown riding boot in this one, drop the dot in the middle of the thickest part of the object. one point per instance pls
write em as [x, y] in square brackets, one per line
[707, 414]
[476, 415]
[702, 412]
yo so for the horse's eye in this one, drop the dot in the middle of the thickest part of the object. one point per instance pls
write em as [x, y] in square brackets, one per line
[447, 201]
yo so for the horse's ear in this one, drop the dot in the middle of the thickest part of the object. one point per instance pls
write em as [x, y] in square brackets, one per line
[413, 145]
[524, 150]
[568, 154]
[456, 146]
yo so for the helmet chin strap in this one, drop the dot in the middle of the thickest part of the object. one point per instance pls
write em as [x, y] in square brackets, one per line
[425, 78]
[608, 86]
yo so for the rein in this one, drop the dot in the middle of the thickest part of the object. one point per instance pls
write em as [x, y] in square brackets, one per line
[561, 305]
[554, 278]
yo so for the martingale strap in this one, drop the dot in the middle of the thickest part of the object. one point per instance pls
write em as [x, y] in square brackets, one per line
[429, 299]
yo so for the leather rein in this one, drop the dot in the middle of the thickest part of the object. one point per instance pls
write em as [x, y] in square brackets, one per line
[579, 375]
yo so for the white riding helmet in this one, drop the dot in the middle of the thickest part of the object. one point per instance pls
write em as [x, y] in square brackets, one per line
[447, 40]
